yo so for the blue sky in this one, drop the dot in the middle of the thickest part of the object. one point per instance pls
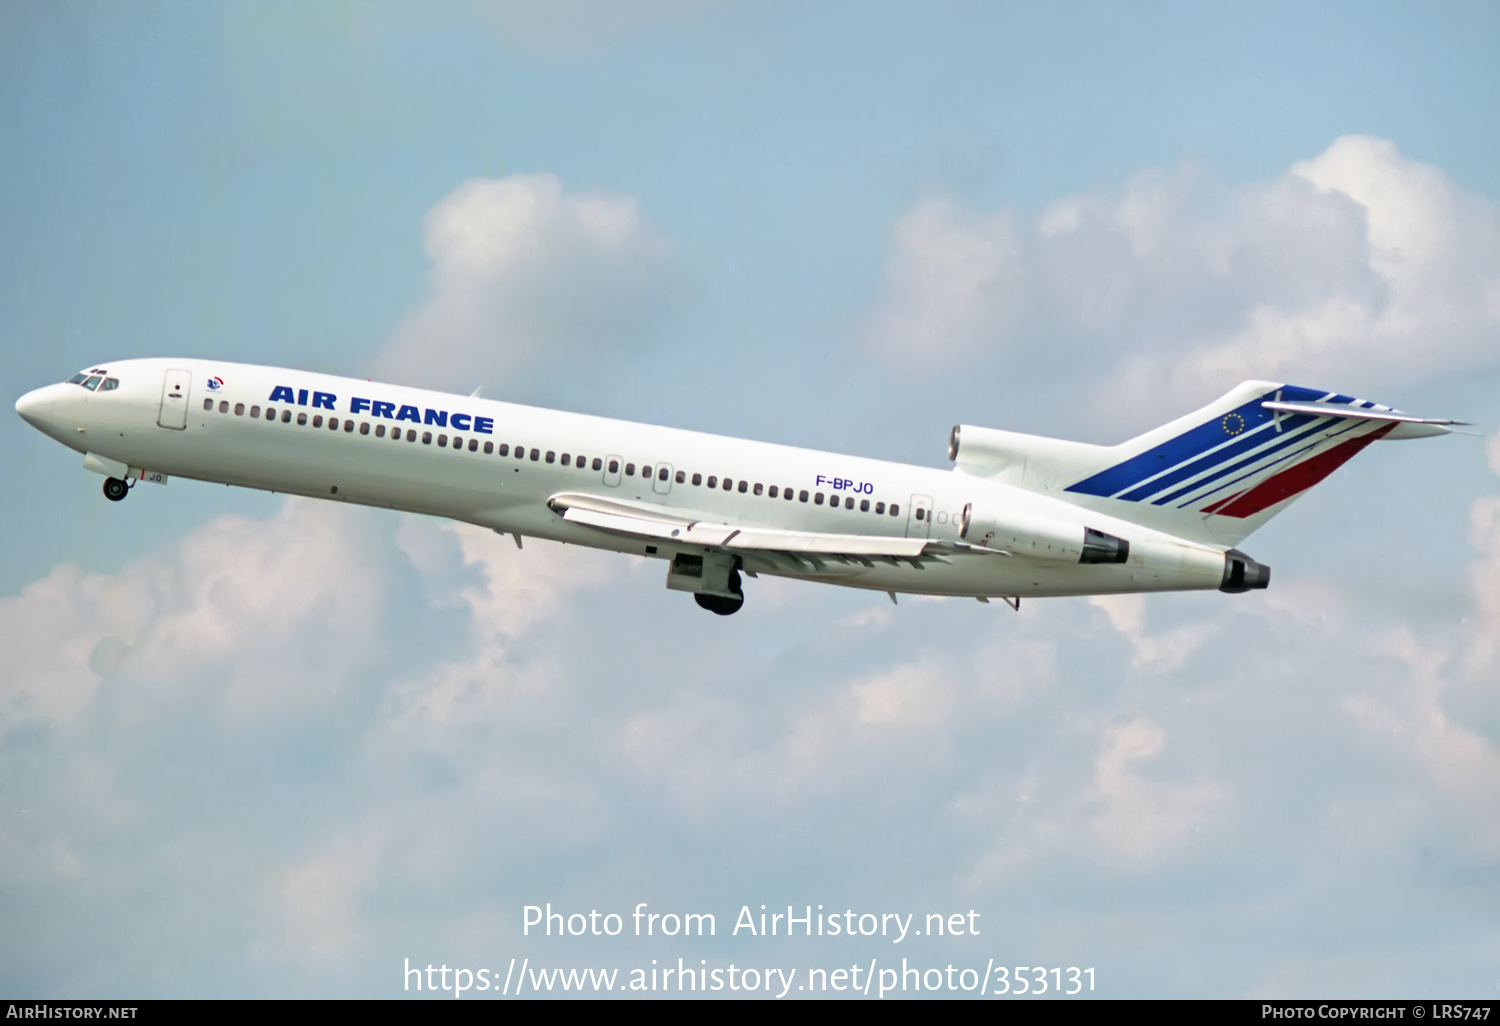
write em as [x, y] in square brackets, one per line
[846, 226]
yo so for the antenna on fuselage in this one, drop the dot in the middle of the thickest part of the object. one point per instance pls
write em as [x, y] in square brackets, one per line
[475, 394]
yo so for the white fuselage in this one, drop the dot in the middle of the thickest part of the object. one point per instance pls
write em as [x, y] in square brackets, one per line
[440, 454]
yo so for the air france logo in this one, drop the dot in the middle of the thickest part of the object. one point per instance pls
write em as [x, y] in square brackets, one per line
[215, 383]
[387, 410]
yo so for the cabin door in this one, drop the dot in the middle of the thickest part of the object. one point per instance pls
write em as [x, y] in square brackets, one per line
[661, 484]
[919, 517]
[174, 399]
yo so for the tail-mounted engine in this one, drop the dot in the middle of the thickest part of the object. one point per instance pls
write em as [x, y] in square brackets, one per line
[1241, 573]
[1041, 537]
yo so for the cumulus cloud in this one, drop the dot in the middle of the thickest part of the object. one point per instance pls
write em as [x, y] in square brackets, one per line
[296, 582]
[1357, 268]
[526, 277]
[1162, 653]
[1142, 817]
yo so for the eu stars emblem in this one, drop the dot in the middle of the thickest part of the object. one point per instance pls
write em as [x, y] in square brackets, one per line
[1233, 423]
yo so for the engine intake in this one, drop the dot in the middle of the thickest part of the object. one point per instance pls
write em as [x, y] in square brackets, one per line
[1099, 547]
[1241, 573]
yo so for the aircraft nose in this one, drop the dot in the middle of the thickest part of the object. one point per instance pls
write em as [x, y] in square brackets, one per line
[32, 406]
[39, 407]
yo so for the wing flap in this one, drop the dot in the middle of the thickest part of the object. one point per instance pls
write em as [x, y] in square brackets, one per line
[647, 522]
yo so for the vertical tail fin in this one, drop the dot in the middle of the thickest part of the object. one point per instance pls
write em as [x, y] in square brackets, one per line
[1218, 474]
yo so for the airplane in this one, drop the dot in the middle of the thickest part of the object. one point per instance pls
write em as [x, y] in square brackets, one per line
[1016, 516]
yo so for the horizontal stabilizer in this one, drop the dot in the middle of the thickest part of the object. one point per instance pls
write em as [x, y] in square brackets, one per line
[1411, 427]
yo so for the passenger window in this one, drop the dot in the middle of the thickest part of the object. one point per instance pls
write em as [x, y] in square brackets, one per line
[880, 508]
[895, 510]
[864, 505]
[599, 463]
[921, 514]
[208, 404]
[581, 462]
[520, 452]
[270, 413]
[646, 473]
[771, 491]
[489, 447]
[110, 384]
[474, 445]
[364, 427]
[630, 470]
[551, 456]
[301, 419]
[802, 495]
[239, 409]
[223, 404]
[728, 484]
[333, 423]
[442, 441]
[349, 426]
[661, 474]
[713, 482]
[567, 460]
[536, 454]
[849, 502]
[614, 466]
[818, 499]
[697, 480]
[318, 421]
[504, 449]
[681, 477]
[379, 430]
[254, 412]
[758, 488]
[788, 493]
[286, 417]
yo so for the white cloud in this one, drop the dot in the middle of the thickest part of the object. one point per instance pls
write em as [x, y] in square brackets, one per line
[1142, 817]
[525, 278]
[1358, 268]
[1161, 653]
[179, 629]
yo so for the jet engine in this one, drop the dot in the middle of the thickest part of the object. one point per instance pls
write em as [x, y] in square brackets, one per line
[1026, 534]
[1241, 573]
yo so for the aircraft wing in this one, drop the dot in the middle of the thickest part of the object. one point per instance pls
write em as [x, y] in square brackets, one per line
[799, 548]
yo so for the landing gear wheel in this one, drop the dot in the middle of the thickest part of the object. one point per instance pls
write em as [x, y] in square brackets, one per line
[115, 489]
[719, 604]
[723, 605]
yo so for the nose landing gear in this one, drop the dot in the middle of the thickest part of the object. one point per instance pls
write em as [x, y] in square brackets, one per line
[115, 489]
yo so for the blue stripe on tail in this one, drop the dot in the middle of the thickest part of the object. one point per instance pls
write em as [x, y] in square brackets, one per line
[1196, 442]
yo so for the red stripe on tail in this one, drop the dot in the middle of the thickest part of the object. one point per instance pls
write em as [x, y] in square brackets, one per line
[1294, 479]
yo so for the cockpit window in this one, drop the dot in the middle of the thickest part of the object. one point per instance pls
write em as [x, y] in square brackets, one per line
[109, 385]
[93, 382]
[78, 379]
